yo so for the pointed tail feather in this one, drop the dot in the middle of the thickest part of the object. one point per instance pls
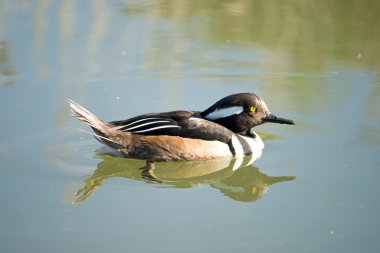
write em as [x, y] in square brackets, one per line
[86, 116]
[104, 131]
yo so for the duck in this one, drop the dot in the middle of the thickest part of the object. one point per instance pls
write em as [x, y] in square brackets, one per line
[225, 129]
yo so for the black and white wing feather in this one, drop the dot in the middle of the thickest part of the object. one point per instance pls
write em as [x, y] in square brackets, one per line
[148, 125]
[186, 124]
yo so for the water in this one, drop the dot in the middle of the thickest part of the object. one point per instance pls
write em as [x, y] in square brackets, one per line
[314, 188]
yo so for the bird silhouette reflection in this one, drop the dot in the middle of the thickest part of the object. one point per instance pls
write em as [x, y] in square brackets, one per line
[234, 178]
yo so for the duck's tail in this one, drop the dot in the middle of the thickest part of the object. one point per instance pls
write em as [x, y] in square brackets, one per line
[104, 132]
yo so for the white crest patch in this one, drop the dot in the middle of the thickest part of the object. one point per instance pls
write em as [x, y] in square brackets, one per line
[224, 112]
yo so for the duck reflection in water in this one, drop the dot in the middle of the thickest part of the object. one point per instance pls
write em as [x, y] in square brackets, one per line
[235, 178]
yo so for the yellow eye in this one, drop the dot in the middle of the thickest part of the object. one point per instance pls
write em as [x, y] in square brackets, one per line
[252, 109]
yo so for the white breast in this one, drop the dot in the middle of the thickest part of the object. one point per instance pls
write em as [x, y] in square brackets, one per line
[256, 144]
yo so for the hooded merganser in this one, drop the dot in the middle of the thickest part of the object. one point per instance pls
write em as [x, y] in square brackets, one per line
[222, 130]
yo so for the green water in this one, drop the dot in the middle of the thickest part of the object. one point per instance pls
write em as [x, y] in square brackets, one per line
[315, 187]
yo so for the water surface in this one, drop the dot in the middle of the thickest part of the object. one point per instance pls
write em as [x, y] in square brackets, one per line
[314, 188]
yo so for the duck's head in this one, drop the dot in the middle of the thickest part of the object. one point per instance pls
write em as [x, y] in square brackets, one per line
[241, 112]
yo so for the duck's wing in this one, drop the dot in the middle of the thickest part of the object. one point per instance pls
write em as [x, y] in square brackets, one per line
[187, 124]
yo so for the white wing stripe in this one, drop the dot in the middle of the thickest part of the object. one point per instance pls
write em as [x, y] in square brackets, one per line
[156, 128]
[146, 124]
[145, 119]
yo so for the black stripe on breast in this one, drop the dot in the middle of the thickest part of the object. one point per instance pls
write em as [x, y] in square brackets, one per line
[246, 148]
[231, 147]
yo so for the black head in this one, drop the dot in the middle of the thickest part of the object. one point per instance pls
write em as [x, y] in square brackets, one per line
[240, 112]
